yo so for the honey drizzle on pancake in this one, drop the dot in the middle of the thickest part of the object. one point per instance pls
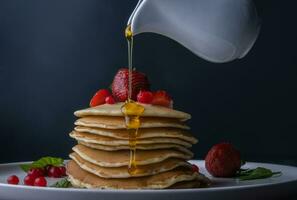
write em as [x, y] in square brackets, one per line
[131, 110]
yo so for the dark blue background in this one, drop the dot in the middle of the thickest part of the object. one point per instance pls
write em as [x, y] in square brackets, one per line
[55, 54]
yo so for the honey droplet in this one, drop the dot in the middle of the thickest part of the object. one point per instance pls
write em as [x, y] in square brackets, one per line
[133, 111]
[128, 32]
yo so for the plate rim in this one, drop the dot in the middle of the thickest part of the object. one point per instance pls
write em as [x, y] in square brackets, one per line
[125, 191]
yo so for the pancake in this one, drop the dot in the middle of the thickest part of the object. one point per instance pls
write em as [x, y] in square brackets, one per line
[139, 146]
[121, 158]
[142, 133]
[201, 181]
[122, 172]
[186, 184]
[150, 111]
[119, 122]
[97, 139]
[81, 178]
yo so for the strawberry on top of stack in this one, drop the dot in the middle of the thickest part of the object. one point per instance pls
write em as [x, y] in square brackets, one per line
[140, 91]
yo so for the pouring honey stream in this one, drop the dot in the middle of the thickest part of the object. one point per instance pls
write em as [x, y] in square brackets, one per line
[131, 110]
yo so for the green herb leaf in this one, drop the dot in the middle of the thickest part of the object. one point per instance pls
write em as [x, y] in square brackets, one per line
[258, 173]
[63, 183]
[25, 167]
[43, 162]
[241, 171]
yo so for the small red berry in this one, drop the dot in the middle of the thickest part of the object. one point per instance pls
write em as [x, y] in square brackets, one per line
[109, 100]
[40, 181]
[13, 180]
[36, 172]
[29, 180]
[145, 97]
[63, 170]
[195, 168]
[99, 97]
[223, 160]
[54, 172]
[47, 168]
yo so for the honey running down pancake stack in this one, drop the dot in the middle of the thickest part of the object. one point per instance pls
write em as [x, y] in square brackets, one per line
[102, 155]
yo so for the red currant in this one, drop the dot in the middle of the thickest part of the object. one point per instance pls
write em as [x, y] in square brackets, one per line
[47, 168]
[109, 100]
[195, 168]
[145, 96]
[54, 172]
[40, 181]
[36, 172]
[13, 180]
[29, 180]
[63, 170]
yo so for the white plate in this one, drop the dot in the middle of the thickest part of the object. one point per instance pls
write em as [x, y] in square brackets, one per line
[222, 188]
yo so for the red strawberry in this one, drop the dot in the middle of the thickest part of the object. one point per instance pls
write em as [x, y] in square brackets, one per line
[120, 84]
[109, 100]
[162, 98]
[145, 96]
[223, 160]
[99, 97]
[195, 168]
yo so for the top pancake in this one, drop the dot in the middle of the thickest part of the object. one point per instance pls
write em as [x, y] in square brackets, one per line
[108, 122]
[150, 111]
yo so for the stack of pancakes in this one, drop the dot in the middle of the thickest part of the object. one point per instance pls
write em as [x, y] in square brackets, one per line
[102, 155]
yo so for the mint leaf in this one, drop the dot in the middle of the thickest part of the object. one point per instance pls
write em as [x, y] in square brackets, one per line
[241, 171]
[25, 167]
[257, 173]
[63, 183]
[43, 162]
